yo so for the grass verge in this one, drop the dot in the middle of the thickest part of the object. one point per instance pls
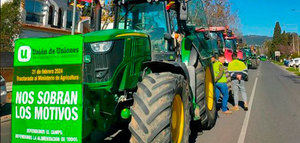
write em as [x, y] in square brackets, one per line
[296, 71]
[278, 63]
[291, 69]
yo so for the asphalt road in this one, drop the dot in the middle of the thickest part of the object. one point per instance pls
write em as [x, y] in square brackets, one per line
[273, 116]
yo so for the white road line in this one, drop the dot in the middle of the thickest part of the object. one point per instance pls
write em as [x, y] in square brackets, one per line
[246, 120]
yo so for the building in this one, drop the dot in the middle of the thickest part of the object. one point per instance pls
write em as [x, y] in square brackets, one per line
[47, 18]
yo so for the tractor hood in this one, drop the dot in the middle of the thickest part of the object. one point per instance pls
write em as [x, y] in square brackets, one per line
[111, 34]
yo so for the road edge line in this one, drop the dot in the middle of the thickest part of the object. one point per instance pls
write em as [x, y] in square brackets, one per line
[247, 116]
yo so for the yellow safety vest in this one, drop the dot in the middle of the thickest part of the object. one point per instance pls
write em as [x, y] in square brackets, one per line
[236, 66]
[216, 67]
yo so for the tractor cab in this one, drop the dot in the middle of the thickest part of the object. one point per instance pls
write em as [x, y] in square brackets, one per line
[247, 52]
[230, 48]
[217, 39]
[163, 23]
[240, 54]
[149, 18]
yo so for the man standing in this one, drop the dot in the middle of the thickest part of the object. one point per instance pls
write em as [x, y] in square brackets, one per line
[221, 85]
[238, 72]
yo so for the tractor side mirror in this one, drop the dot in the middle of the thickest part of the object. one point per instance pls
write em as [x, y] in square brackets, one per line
[183, 11]
[170, 40]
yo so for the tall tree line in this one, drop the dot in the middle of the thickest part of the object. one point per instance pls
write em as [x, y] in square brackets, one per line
[285, 42]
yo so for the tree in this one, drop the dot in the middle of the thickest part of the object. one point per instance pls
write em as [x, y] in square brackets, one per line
[277, 34]
[268, 48]
[10, 24]
[218, 13]
[285, 38]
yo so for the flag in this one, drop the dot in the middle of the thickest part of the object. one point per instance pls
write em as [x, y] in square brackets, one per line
[79, 5]
[170, 4]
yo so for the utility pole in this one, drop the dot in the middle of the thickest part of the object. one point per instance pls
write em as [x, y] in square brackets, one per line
[74, 15]
[293, 43]
[298, 47]
[98, 17]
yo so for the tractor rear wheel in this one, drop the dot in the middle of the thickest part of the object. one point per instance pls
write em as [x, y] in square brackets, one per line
[205, 97]
[161, 109]
[254, 64]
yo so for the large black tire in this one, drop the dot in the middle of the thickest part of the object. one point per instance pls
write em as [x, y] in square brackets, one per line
[254, 64]
[208, 117]
[152, 108]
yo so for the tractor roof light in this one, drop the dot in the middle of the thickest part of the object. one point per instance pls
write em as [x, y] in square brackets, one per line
[217, 29]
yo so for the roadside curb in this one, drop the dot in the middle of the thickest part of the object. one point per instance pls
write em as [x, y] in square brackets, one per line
[284, 68]
[5, 118]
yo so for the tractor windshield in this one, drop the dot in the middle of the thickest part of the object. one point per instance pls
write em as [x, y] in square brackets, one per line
[213, 35]
[196, 14]
[215, 41]
[149, 18]
[247, 52]
[230, 44]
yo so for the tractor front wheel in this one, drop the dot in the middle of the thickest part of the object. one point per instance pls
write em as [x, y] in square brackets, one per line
[161, 110]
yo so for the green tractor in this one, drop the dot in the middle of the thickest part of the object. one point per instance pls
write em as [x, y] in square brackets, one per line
[263, 58]
[250, 58]
[151, 73]
[180, 85]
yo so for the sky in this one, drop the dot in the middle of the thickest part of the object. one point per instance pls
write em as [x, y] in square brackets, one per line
[258, 17]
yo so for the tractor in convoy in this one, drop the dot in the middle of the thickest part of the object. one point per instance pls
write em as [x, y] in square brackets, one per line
[230, 48]
[263, 58]
[251, 59]
[177, 85]
[225, 40]
[151, 73]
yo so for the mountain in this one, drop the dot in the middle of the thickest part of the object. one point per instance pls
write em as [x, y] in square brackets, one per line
[255, 39]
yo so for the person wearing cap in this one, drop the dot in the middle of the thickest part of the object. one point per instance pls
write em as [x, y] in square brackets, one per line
[221, 85]
[238, 73]
[213, 59]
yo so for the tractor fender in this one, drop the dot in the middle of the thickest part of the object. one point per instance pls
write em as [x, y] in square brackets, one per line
[177, 68]
[168, 66]
[194, 56]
